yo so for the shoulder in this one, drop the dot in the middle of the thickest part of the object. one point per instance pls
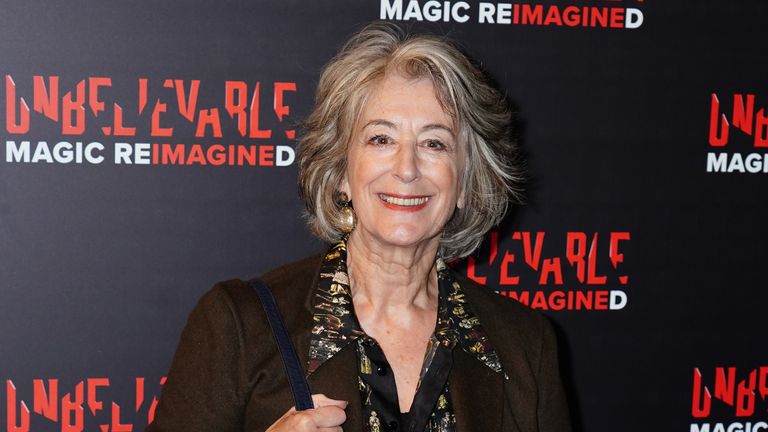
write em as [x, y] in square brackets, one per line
[495, 310]
[227, 348]
[294, 276]
[232, 306]
[290, 284]
[526, 343]
[513, 328]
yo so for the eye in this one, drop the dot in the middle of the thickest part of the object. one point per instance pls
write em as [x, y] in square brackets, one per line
[379, 140]
[434, 144]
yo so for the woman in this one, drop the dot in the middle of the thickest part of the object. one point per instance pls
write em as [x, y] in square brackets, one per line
[408, 130]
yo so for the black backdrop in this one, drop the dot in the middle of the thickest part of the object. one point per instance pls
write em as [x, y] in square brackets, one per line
[630, 180]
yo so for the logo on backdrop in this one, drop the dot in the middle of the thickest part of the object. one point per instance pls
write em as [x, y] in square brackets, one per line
[738, 134]
[88, 402]
[147, 122]
[577, 271]
[729, 399]
[611, 15]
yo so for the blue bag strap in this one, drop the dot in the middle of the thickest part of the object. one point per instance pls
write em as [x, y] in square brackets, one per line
[299, 387]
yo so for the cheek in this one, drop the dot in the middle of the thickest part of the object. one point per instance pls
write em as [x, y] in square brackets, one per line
[351, 179]
[360, 171]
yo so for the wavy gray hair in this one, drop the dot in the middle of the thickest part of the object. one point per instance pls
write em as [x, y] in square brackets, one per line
[481, 113]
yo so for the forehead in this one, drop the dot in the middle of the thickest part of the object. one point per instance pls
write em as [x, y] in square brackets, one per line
[397, 97]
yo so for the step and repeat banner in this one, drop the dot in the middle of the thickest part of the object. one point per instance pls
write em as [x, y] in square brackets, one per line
[148, 150]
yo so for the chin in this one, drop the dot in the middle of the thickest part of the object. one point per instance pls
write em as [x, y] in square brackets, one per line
[406, 237]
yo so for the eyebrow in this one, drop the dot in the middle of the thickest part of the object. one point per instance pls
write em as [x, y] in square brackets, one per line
[389, 124]
[432, 126]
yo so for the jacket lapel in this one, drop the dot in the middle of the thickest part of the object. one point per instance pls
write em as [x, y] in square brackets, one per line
[477, 394]
[337, 379]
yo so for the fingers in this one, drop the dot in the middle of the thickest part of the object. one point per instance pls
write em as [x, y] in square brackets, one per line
[327, 416]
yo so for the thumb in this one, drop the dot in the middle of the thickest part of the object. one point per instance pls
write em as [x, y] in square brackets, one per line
[321, 400]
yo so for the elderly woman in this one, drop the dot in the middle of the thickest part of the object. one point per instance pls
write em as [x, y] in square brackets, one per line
[405, 164]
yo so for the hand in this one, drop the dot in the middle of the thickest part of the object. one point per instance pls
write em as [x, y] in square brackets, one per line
[327, 416]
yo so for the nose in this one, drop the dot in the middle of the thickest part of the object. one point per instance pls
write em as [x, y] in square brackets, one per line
[407, 163]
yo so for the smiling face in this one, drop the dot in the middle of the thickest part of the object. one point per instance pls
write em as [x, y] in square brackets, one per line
[404, 165]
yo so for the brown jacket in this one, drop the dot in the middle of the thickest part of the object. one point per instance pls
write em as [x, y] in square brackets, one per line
[227, 374]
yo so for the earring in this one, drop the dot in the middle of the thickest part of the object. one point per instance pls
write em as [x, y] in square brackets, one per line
[348, 219]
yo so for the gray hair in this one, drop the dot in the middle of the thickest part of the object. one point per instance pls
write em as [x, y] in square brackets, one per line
[481, 113]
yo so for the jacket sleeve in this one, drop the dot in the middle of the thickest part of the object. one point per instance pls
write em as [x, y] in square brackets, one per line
[204, 390]
[552, 412]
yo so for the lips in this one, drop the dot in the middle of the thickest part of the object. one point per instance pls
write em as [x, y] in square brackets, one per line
[407, 203]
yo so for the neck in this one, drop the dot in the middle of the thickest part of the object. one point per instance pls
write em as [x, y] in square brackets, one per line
[386, 279]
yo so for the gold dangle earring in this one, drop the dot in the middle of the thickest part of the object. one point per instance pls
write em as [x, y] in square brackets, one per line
[348, 219]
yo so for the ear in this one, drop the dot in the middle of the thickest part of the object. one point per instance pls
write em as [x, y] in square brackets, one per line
[461, 201]
[344, 186]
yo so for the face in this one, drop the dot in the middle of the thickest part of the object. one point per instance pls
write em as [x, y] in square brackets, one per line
[404, 165]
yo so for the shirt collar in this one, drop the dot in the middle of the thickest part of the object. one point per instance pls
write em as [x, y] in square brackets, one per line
[335, 323]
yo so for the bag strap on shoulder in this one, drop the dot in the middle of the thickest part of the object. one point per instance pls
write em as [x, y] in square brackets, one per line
[299, 386]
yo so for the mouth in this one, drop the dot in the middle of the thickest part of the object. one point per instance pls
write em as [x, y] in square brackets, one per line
[404, 202]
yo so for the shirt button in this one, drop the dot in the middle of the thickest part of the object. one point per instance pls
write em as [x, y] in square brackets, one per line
[381, 370]
[392, 425]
